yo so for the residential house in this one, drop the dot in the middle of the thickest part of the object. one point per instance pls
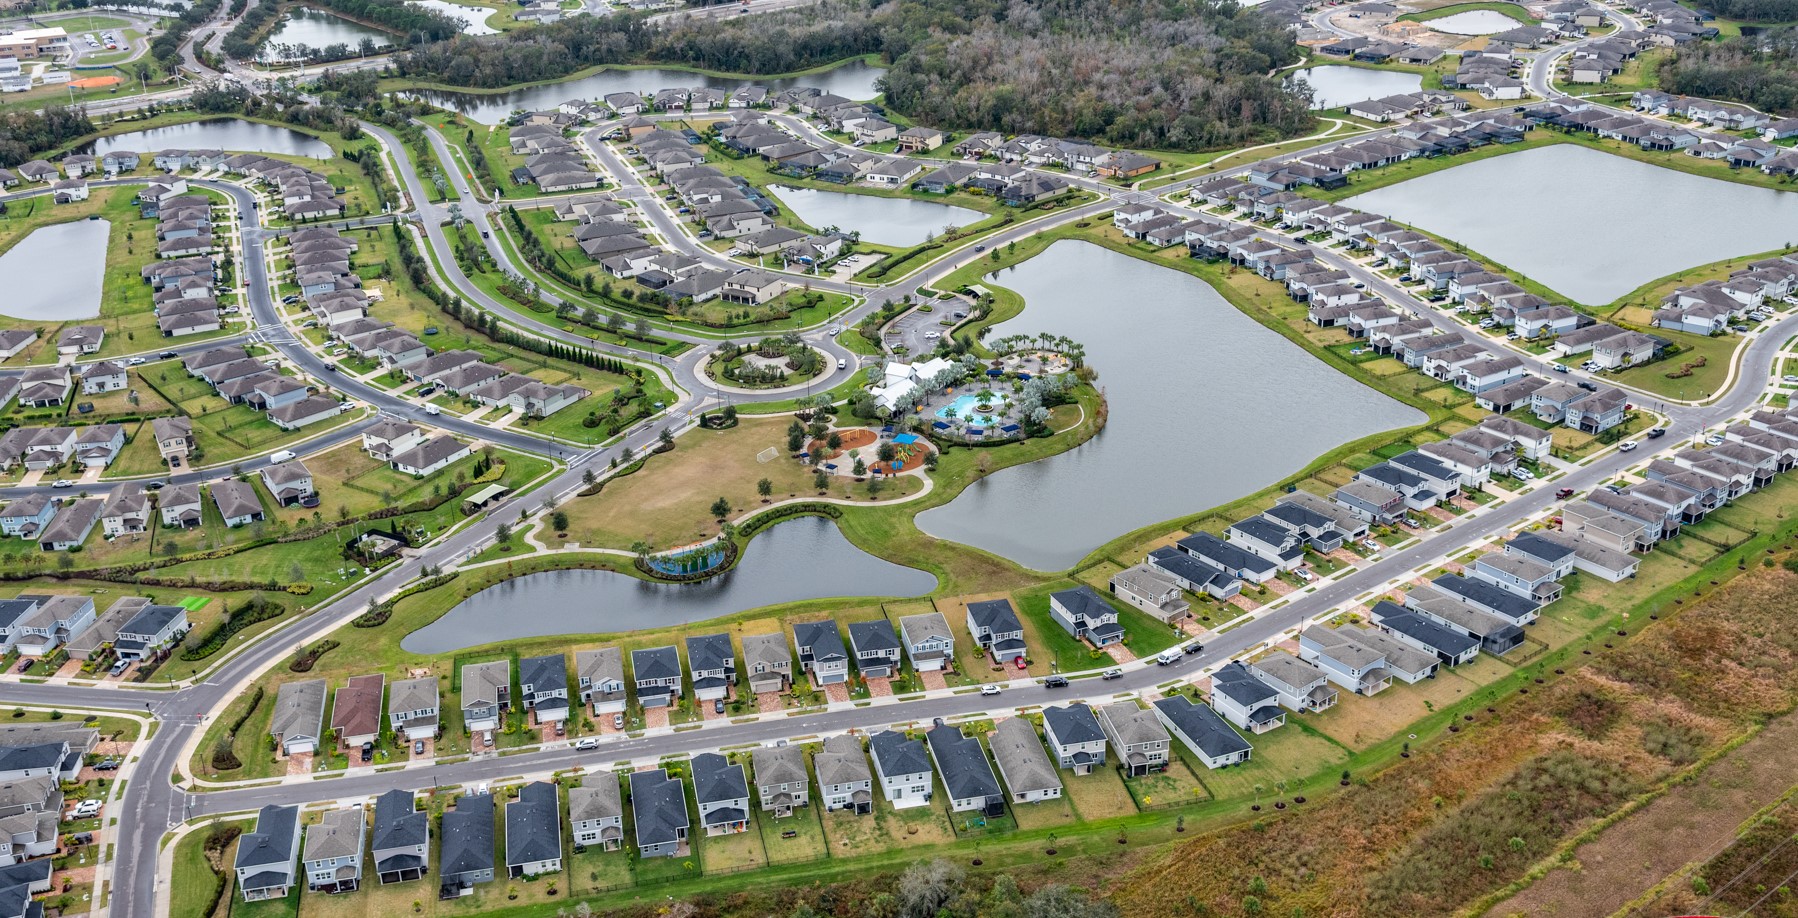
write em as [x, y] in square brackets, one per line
[1140, 740]
[928, 641]
[876, 648]
[237, 502]
[596, 812]
[1083, 613]
[767, 662]
[996, 629]
[1075, 737]
[1203, 731]
[401, 841]
[412, 709]
[659, 812]
[712, 664]
[599, 674]
[543, 687]
[534, 830]
[903, 765]
[1147, 588]
[657, 674]
[1028, 773]
[967, 777]
[486, 694]
[466, 851]
[179, 506]
[1245, 700]
[844, 780]
[267, 856]
[722, 793]
[1451, 647]
[333, 858]
[1349, 663]
[299, 716]
[126, 511]
[431, 456]
[821, 652]
[289, 483]
[781, 782]
[174, 439]
[1300, 686]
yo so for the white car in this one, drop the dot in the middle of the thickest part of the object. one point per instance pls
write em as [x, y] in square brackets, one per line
[1714, 440]
[932, 336]
[63, 483]
[1304, 574]
[989, 690]
[1790, 378]
[587, 743]
[1522, 474]
[1627, 447]
[139, 361]
[1370, 545]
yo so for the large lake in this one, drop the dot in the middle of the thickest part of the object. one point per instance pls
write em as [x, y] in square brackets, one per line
[1206, 406]
[854, 80]
[215, 134]
[1588, 224]
[1334, 85]
[473, 18]
[803, 558]
[880, 220]
[305, 27]
[1475, 22]
[55, 273]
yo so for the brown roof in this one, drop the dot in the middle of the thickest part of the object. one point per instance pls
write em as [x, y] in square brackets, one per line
[357, 711]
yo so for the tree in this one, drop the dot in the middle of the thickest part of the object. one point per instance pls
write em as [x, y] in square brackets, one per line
[926, 887]
[834, 441]
[720, 508]
[887, 452]
[559, 521]
[730, 413]
[764, 487]
[795, 438]
[588, 477]
[821, 480]
[861, 468]
[503, 535]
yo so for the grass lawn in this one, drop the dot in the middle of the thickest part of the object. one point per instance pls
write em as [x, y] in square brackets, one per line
[1173, 787]
[1509, 9]
[1098, 795]
[887, 828]
[807, 842]
[668, 502]
[1057, 813]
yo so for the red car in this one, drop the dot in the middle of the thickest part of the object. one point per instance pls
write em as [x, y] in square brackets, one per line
[1564, 493]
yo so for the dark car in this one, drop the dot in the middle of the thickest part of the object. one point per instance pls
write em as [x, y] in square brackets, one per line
[368, 752]
[1657, 433]
[167, 355]
[1056, 682]
[1564, 493]
[1588, 385]
[156, 485]
[1195, 647]
[26, 665]
[717, 706]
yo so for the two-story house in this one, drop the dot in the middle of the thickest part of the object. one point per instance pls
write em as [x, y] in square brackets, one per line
[876, 648]
[599, 674]
[844, 780]
[713, 665]
[333, 858]
[1245, 700]
[722, 793]
[1075, 737]
[1139, 739]
[486, 694]
[1083, 613]
[780, 779]
[767, 662]
[299, 716]
[356, 710]
[543, 686]
[151, 631]
[904, 769]
[821, 652]
[928, 641]
[401, 841]
[1300, 686]
[267, 856]
[656, 671]
[466, 851]
[1349, 663]
[596, 812]
[412, 708]
[1146, 587]
[996, 629]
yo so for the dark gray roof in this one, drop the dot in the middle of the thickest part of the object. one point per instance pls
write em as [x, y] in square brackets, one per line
[656, 663]
[897, 754]
[468, 836]
[398, 823]
[822, 638]
[1265, 530]
[1501, 601]
[1073, 724]
[708, 652]
[873, 635]
[1538, 548]
[1188, 568]
[716, 779]
[272, 842]
[966, 773]
[1083, 602]
[544, 674]
[1422, 630]
[1236, 683]
[34, 756]
[534, 825]
[658, 806]
[1295, 515]
[152, 619]
[1202, 726]
[995, 615]
[1212, 549]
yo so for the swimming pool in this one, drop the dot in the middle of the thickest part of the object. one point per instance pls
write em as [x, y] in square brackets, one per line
[963, 407]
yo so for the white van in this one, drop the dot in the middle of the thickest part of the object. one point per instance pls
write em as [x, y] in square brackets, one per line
[1169, 657]
[433, 409]
[277, 458]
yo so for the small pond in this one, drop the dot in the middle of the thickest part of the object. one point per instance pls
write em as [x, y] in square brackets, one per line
[1206, 406]
[1529, 211]
[803, 558]
[880, 220]
[231, 134]
[854, 80]
[304, 27]
[1334, 85]
[473, 18]
[55, 273]
[1474, 22]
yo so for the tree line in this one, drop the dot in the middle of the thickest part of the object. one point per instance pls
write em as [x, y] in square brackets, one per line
[1758, 70]
[25, 135]
[1754, 10]
[1171, 74]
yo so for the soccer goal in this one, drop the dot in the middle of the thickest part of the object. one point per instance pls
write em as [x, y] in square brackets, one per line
[767, 455]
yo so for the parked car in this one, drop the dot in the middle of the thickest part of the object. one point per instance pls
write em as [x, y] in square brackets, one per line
[1112, 674]
[1560, 368]
[618, 721]
[1304, 574]
[1194, 647]
[1588, 385]
[587, 743]
[167, 355]
[1714, 440]
[1371, 545]
[119, 668]
[989, 690]
[139, 361]
[156, 485]
[1056, 682]
[368, 753]
[1523, 474]
[63, 483]
[25, 666]
[717, 706]
[418, 747]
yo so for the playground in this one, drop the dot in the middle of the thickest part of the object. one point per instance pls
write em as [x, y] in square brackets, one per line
[909, 452]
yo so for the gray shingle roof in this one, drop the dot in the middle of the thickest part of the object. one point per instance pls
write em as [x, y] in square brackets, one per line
[842, 761]
[597, 799]
[1022, 761]
[966, 774]
[533, 825]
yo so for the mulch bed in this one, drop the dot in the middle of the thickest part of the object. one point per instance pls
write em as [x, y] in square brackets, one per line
[853, 438]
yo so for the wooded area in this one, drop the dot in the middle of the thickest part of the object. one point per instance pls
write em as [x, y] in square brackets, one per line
[1178, 74]
[1759, 70]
